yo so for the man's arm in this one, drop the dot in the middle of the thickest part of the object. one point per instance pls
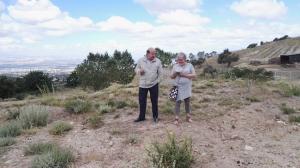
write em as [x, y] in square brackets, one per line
[160, 71]
[138, 69]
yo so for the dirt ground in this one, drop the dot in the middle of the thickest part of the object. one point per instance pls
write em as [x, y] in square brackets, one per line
[228, 131]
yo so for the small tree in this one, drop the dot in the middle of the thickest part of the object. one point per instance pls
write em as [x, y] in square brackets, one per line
[7, 87]
[165, 57]
[73, 80]
[100, 70]
[35, 79]
[227, 57]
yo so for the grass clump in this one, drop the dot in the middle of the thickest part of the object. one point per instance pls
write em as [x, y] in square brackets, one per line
[6, 141]
[95, 121]
[33, 116]
[50, 155]
[252, 99]
[12, 114]
[103, 109]
[171, 154]
[287, 110]
[10, 129]
[39, 148]
[117, 103]
[167, 108]
[60, 128]
[294, 119]
[78, 106]
[290, 90]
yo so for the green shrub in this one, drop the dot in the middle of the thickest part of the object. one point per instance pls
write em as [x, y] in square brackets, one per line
[33, 116]
[95, 121]
[102, 109]
[246, 73]
[287, 110]
[55, 158]
[252, 99]
[39, 148]
[290, 90]
[117, 103]
[167, 108]
[172, 154]
[11, 129]
[51, 155]
[12, 114]
[60, 128]
[78, 106]
[294, 119]
[6, 141]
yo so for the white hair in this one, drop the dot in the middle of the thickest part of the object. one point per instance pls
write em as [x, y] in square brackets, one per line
[181, 54]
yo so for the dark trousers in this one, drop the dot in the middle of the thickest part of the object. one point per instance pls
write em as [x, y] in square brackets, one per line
[143, 92]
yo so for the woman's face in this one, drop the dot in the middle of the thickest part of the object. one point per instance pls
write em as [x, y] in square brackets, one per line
[181, 60]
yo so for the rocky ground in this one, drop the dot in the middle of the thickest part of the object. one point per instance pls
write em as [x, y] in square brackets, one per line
[229, 129]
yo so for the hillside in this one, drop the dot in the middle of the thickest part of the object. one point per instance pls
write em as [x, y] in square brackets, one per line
[265, 52]
[231, 126]
[270, 50]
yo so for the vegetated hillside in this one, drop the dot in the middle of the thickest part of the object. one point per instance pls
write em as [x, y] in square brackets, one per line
[264, 52]
[233, 126]
[270, 50]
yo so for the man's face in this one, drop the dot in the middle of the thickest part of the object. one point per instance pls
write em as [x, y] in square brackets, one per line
[151, 55]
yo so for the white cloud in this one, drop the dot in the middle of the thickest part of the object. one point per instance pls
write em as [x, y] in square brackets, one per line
[162, 6]
[33, 11]
[266, 9]
[182, 17]
[121, 24]
[32, 20]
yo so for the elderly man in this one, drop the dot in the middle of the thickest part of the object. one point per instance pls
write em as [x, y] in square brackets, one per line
[149, 69]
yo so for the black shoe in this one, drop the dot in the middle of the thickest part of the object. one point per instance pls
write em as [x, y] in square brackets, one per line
[155, 120]
[139, 120]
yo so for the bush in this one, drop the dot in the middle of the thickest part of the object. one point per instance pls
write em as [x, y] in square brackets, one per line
[11, 129]
[60, 128]
[294, 119]
[290, 90]
[287, 110]
[252, 99]
[39, 148]
[35, 79]
[73, 80]
[117, 103]
[253, 45]
[246, 73]
[95, 121]
[78, 106]
[12, 114]
[33, 116]
[6, 141]
[7, 87]
[171, 154]
[98, 71]
[51, 156]
[227, 57]
[59, 158]
[105, 109]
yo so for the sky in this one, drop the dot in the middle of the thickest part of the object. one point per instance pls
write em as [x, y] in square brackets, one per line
[70, 29]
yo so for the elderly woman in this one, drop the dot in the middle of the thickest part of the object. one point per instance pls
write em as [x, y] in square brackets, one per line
[183, 73]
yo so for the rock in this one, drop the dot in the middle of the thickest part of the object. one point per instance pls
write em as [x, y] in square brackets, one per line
[249, 148]
[111, 143]
[281, 122]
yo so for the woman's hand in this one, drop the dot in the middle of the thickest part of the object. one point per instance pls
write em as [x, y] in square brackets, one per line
[187, 75]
